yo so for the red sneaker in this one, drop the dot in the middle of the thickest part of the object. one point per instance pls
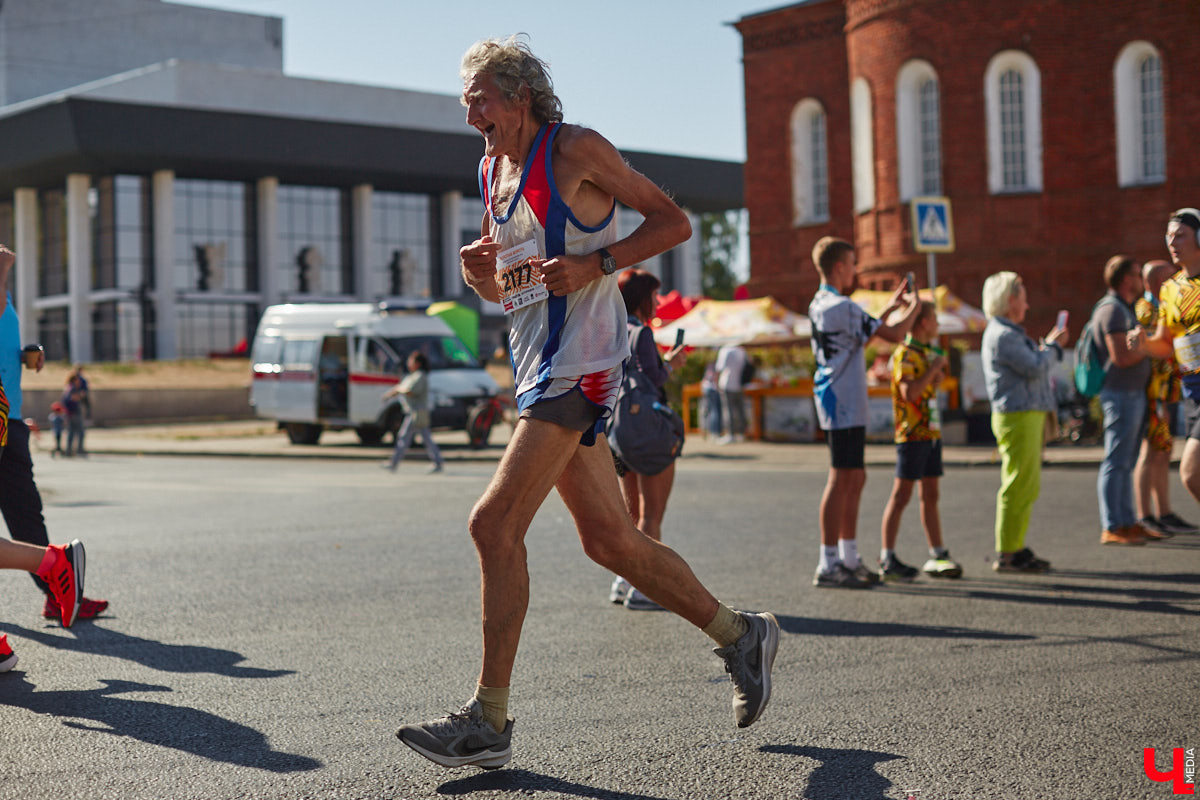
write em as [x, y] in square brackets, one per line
[65, 576]
[8, 659]
[87, 609]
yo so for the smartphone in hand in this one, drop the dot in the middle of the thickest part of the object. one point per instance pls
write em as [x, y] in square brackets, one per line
[910, 280]
[678, 338]
[1061, 322]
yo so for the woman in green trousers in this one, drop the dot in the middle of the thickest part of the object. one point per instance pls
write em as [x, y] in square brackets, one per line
[1017, 371]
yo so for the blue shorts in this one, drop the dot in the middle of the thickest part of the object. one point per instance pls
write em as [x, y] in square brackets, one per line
[583, 403]
[917, 460]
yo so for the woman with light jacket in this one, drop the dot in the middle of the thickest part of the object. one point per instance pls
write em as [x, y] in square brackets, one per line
[1017, 371]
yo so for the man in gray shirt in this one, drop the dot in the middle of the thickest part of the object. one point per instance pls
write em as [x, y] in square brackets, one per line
[1123, 399]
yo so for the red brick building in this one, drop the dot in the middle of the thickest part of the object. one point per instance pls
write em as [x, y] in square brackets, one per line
[1062, 131]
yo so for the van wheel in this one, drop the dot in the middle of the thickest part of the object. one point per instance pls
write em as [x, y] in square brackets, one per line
[302, 433]
[479, 424]
[370, 434]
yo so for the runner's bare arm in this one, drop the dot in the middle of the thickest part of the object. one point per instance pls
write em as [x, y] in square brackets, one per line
[590, 173]
[1160, 345]
[478, 261]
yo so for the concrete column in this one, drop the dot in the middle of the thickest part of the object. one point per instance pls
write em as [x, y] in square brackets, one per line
[268, 241]
[162, 192]
[25, 242]
[79, 267]
[451, 212]
[360, 244]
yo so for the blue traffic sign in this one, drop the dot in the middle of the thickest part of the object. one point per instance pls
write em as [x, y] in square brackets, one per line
[932, 226]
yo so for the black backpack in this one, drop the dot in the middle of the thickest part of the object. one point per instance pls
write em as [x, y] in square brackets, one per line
[748, 371]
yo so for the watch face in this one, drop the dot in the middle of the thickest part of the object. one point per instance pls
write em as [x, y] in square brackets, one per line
[608, 264]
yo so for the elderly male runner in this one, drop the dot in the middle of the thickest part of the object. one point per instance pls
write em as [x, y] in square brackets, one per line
[551, 191]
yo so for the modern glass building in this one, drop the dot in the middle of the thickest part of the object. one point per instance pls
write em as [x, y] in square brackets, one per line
[160, 193]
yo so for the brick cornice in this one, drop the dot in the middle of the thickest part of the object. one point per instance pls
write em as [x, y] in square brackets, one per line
[796, 33]
[860, 12]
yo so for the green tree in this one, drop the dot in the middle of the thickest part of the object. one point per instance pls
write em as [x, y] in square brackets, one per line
[719, 239]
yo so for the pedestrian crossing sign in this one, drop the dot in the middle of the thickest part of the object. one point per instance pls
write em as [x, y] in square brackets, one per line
[932, 229]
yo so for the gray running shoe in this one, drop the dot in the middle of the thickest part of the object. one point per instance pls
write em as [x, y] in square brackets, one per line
[867, 576]
[620, 588]
[748, 662]
[636, 601]
[464, 739]
[839, 578]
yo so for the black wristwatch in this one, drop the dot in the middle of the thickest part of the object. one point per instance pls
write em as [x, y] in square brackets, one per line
[608, 264]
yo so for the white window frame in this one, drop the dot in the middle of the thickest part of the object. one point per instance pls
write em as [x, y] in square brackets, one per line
[909, 140]
[805, 205]
[862, 145]
[1128, 113]
[1031, 97]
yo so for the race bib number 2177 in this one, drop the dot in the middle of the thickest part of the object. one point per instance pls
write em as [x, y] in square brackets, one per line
[519, 281]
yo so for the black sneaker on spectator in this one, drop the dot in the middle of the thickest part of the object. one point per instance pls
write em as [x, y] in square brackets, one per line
[1173, 523]
[893, 569]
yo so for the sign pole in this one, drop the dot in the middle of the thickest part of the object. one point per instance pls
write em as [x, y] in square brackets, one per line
[931, 270]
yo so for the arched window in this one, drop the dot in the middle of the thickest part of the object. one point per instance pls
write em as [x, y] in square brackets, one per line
[1138, 92]
[1013, 91]
[862, 145]
[918, 130]
[810, 164]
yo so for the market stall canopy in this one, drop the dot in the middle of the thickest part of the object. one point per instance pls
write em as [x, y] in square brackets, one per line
[713, 323]
[954, 316]
[462, 320]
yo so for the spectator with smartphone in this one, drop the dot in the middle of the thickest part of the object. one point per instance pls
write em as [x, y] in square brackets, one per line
[918, 368]
[840, 331]
[1123, 400]
[1017, 371]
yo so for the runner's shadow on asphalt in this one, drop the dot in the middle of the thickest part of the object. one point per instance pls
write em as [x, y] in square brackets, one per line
[178, 727]
[842, 774]
[1145, 577]
[1063, 595]
[524, 782]
[836, 627]
[147, 652]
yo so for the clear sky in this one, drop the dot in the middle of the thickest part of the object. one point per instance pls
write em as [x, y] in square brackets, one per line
[657, 75]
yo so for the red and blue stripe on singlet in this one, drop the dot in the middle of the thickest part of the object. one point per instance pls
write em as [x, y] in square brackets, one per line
[538, 188]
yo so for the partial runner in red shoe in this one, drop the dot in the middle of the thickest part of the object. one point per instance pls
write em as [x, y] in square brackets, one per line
[8, 659]
[60, 566]
[20, 500]
[88, 609]
[62, 569]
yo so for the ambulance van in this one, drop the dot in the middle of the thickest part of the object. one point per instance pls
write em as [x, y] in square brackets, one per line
[324, 365]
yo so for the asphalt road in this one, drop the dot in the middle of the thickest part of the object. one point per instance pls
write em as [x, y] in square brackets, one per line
[274, 620]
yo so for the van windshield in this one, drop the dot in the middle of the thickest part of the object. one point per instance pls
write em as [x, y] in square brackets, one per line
[443, 352]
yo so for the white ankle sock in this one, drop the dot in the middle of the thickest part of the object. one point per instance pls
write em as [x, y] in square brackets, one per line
[848, 549]
[885, 554]
[829, 557]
